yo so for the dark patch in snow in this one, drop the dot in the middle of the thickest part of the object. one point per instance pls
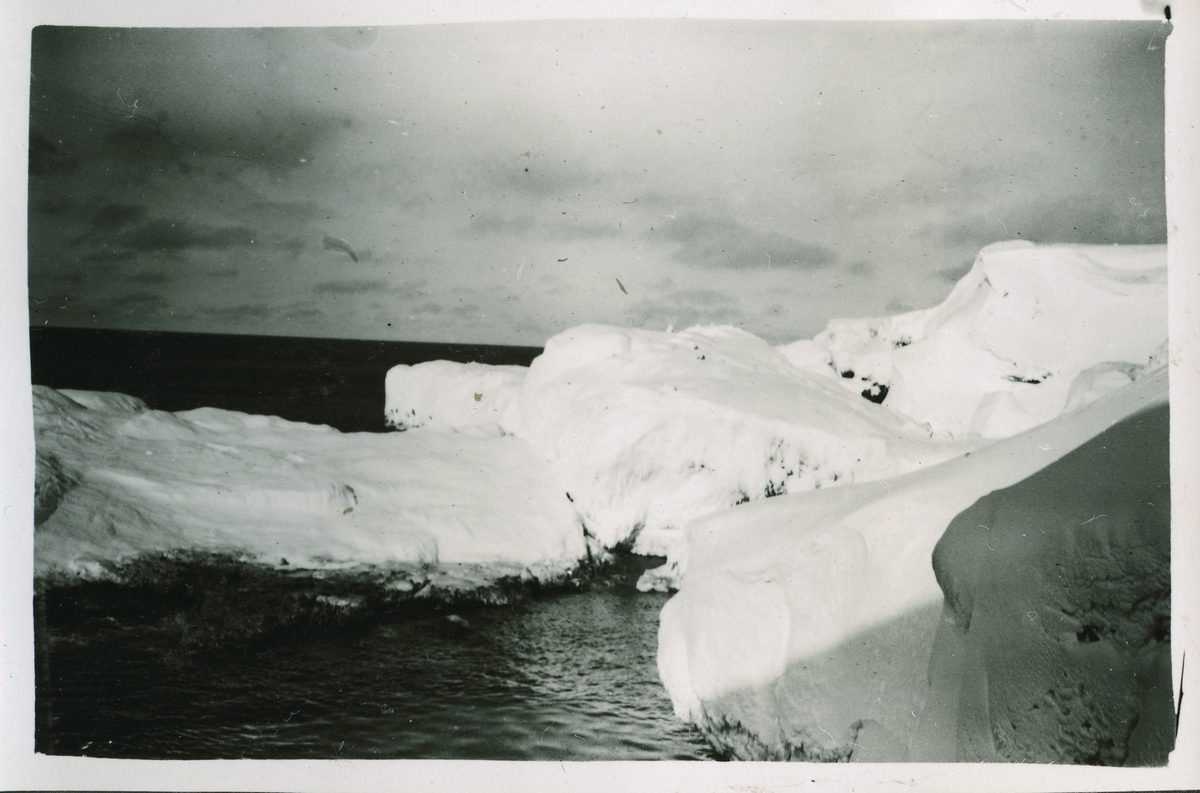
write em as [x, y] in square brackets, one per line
[876, 392]
[1012, 378]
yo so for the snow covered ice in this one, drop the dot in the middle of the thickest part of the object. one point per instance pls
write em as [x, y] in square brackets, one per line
[647, 430]
[1054, 642]
[1004, 351]
[116, 479]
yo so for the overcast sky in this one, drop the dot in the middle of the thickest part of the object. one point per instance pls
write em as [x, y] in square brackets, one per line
[496, 180]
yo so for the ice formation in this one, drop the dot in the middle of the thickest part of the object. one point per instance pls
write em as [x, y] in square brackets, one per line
[647, 429]
[1055, 642]
[452, 394]
[1001, 353]
[116, 479]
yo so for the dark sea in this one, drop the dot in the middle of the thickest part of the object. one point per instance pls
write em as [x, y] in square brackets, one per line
[561, 676]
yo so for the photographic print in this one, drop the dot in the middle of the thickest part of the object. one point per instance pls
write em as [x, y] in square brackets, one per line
[602, 389]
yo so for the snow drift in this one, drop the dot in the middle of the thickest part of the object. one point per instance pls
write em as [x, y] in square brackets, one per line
[647, 430]
[1055, 646]
[453, 395]
[1006, 350]
[116, 480]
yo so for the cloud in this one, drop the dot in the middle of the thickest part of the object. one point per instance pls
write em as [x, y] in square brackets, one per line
[113, 217]
[167, 236]
[121, 231]
[710, 241]
[167, 113]
[138, 298]
[682, 308]
[955, 274]
[352, 286]
[149, 278]
[238, 313]
[489, 223]
[1084, 218]
[698, 297]
[539, 176]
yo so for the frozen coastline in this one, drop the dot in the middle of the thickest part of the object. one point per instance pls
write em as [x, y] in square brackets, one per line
[797, 492]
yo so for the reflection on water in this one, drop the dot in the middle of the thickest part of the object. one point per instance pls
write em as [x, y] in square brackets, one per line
[571, 677]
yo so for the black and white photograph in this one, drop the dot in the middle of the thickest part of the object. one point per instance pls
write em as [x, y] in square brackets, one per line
[569, 387]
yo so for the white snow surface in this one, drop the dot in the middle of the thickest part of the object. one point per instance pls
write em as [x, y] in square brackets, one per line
[647, 430]
[119, 480]
[453, 395]
[771, 583]
[1001, 353]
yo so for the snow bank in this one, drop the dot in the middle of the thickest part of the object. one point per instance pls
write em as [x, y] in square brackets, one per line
[116, 479]
[1055, 644]
[1001, 353]
[648, 430]
[453, 395]
[803, 618]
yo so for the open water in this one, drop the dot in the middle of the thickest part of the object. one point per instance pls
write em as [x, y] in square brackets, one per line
[568, 677]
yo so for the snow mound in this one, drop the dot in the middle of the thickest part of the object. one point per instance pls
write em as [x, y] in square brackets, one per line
[648, 430]
[116, 480]
[782, 597]
[1001, 353]
[453, 395]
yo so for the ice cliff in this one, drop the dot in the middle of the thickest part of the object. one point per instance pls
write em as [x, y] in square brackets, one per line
[1054, 644]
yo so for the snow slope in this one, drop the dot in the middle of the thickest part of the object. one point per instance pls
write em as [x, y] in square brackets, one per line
[782, 640]
[1006, 349]
[116, 479]
[1055, 642]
